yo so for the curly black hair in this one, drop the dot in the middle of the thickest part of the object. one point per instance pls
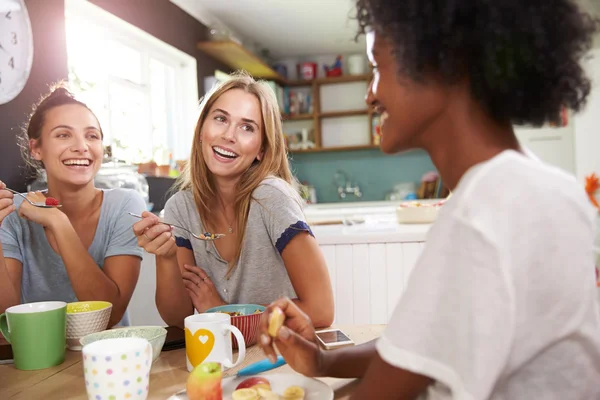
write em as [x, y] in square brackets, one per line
[521, 57]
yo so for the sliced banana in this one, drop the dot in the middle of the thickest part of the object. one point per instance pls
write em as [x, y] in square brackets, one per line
[293, 393]
[267, 394]
[245, 394]
[276, 321]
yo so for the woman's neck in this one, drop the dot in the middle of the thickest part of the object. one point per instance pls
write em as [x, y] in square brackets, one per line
[226, 192]
[76, 202]
[464, 136]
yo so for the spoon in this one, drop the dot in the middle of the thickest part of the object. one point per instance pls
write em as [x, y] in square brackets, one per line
[33, 203]
[203, 236]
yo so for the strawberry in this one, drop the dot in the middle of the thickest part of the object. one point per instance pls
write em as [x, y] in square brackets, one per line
[51, 201]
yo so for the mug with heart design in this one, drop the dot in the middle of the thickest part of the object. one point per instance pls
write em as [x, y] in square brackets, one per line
[208, 338]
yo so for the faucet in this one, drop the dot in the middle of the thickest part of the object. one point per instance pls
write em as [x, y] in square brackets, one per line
[344, 186]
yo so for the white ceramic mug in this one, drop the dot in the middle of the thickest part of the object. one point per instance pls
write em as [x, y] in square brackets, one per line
[208, 338]
[117, 368]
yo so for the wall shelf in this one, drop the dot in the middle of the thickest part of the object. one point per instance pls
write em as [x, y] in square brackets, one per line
[338, 114]
[333, 149]
[329, 80]
[237, 57]
[297, 117]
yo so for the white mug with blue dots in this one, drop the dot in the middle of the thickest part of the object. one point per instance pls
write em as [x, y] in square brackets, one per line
[117, 369]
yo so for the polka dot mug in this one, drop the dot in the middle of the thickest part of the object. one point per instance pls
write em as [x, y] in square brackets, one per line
[117, 369]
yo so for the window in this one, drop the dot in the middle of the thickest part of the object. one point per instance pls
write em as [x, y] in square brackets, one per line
[144, 91]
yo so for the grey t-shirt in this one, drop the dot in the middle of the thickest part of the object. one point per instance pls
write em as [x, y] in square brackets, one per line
[260, 277]
[44, 275]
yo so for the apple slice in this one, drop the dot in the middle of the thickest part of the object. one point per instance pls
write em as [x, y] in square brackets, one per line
[204, 382]
[255, 382]
[276, 321]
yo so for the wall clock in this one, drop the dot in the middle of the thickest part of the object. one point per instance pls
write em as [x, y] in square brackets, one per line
[16, 48]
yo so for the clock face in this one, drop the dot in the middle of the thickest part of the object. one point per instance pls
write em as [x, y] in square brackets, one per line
[16, 48]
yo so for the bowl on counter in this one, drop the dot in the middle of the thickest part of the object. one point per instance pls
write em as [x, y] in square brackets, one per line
[85, 317]
[245, 317]
[415, 212]
[156, 335]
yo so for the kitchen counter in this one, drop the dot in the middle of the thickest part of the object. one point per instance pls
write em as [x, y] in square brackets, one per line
[371, 231]
[379, 226]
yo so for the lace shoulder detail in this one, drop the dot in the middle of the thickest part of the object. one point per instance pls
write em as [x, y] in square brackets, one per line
[289, 234]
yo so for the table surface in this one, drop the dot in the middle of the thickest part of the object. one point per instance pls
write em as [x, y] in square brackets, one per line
[168, 374]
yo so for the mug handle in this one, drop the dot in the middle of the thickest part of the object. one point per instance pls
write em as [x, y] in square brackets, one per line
[4, 327]
[241, 347]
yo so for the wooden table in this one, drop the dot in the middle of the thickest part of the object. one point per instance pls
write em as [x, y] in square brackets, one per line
[168, 374]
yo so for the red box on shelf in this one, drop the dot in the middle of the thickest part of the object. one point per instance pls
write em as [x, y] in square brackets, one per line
[307, 70]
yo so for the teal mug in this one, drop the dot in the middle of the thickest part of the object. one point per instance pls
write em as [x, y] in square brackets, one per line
[37, 333]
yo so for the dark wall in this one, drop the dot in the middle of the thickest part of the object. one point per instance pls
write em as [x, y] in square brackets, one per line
[49, 66]
[160, 18]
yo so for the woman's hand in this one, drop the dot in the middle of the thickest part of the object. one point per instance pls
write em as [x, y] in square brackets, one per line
[6, 202]
[202, 291]
[296, 340]
[154, 237]
[43, 216]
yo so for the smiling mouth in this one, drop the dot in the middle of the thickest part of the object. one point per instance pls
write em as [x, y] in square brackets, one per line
[77, 162]
[224, 153]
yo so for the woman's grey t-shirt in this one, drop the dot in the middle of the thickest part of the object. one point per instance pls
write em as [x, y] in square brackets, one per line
[260, 277]
[44, 274]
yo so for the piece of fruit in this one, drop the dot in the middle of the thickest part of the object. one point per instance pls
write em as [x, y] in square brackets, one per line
[51, 201]
[255, 382]
[293, 393]
[266, 394]
[245, 394]
[276, 321]
[204, 382]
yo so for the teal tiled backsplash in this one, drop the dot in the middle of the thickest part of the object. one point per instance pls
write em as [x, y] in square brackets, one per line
[376, 173]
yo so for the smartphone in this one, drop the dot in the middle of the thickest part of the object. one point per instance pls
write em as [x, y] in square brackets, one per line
[333, 338]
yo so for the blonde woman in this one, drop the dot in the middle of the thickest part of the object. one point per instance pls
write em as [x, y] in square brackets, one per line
[238, 182]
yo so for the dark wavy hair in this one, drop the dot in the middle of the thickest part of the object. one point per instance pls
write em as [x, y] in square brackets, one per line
[59, 95]
[521, 57]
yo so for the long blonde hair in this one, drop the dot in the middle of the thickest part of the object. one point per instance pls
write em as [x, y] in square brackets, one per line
[197, 177]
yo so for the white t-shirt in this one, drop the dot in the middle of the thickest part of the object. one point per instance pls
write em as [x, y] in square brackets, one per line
[502, 303]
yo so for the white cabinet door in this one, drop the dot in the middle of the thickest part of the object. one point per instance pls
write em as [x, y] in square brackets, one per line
[369, 279]
[587, 124]
[142, 307]
[555, 146]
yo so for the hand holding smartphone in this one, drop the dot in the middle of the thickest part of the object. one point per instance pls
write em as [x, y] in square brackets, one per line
[333, 338]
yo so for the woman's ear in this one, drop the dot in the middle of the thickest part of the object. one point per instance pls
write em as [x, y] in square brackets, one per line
[34, 149]
[260, 155]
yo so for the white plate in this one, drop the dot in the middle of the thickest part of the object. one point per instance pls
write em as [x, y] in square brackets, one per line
[314, 389]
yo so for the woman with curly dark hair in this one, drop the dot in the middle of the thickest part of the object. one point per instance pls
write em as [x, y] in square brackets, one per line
[502, 302]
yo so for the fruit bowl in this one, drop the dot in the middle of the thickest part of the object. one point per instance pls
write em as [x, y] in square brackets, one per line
[156, 335]
[245, 317]
[85, 317]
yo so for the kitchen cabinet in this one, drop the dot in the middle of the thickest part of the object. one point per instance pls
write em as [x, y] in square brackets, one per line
[340, 119]
[369, 279]
[555, 146]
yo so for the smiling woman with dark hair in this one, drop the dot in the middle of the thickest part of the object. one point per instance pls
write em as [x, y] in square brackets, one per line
[501, 304]
[84, 250]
